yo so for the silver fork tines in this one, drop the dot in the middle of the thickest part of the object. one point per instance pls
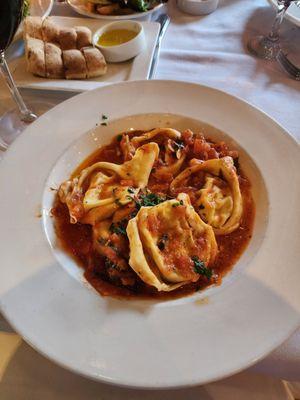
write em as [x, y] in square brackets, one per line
[286, 64]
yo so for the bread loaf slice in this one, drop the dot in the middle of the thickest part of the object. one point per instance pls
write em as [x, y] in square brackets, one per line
[33, 28]
[74, 64]
[95, 62]
[53, 60]
[67, 38]
[84, 36]
[35, 55]
[50, 31]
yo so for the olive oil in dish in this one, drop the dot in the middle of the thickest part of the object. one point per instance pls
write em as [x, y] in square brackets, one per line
[116, 37]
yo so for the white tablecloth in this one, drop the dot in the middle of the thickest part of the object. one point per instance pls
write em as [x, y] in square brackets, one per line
[212, 50]
[209, 50]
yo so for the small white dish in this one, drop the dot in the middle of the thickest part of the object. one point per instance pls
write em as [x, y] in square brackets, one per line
[197, 7]
[124, 51]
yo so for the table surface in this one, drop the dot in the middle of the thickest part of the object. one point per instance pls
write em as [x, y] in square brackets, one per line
[210, 50]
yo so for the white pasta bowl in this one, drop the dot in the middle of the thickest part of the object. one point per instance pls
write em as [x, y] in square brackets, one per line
[139, 343]
[124, 51]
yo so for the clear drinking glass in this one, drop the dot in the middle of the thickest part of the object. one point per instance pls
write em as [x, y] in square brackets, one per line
[14, 121]
[267, 47]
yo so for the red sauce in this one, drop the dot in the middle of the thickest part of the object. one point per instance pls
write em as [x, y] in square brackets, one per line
[76, 239]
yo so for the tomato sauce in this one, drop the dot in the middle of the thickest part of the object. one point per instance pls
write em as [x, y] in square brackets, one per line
[77, 239]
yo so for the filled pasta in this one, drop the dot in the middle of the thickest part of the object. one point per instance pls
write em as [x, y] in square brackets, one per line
[156, 214]
[218, 200]
[165, 240]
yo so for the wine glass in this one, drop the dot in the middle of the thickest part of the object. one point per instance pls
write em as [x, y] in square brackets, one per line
[267, 47]
[14, 121]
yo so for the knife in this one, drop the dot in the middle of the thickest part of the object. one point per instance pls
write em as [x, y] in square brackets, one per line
[164, 21]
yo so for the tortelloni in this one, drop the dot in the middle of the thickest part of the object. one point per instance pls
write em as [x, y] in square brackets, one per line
[156, 214]
[166, 240]
[103, 187]
[218, 201]
[172, 152]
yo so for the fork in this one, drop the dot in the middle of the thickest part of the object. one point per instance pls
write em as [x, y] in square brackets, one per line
[286, 64]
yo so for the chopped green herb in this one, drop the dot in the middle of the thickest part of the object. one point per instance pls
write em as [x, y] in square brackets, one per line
[119, 138]
[119, 228]
[149, 200]
[130, 190]
[103, 124]
[179, 203]
[138, 5]
[110, 264]
[161, 244]
[200, 268]
[178, 145]
[133, 214]
[25, 11]
[104, 117]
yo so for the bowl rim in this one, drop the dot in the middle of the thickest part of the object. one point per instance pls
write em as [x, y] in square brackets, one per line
[18, 310]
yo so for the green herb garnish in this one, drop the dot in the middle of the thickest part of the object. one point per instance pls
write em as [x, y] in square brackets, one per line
[179, 203]
[119, 138]
[178, 145]
[109, 264]
[138, 5]
[25, 11]
[161, 244]
[103, 124]
[119, 228]
[130, 190]
[149, 200]
[200, 268]
[104, 117]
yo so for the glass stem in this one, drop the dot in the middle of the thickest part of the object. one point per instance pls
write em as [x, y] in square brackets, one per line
[25, 113]
[274, 34]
